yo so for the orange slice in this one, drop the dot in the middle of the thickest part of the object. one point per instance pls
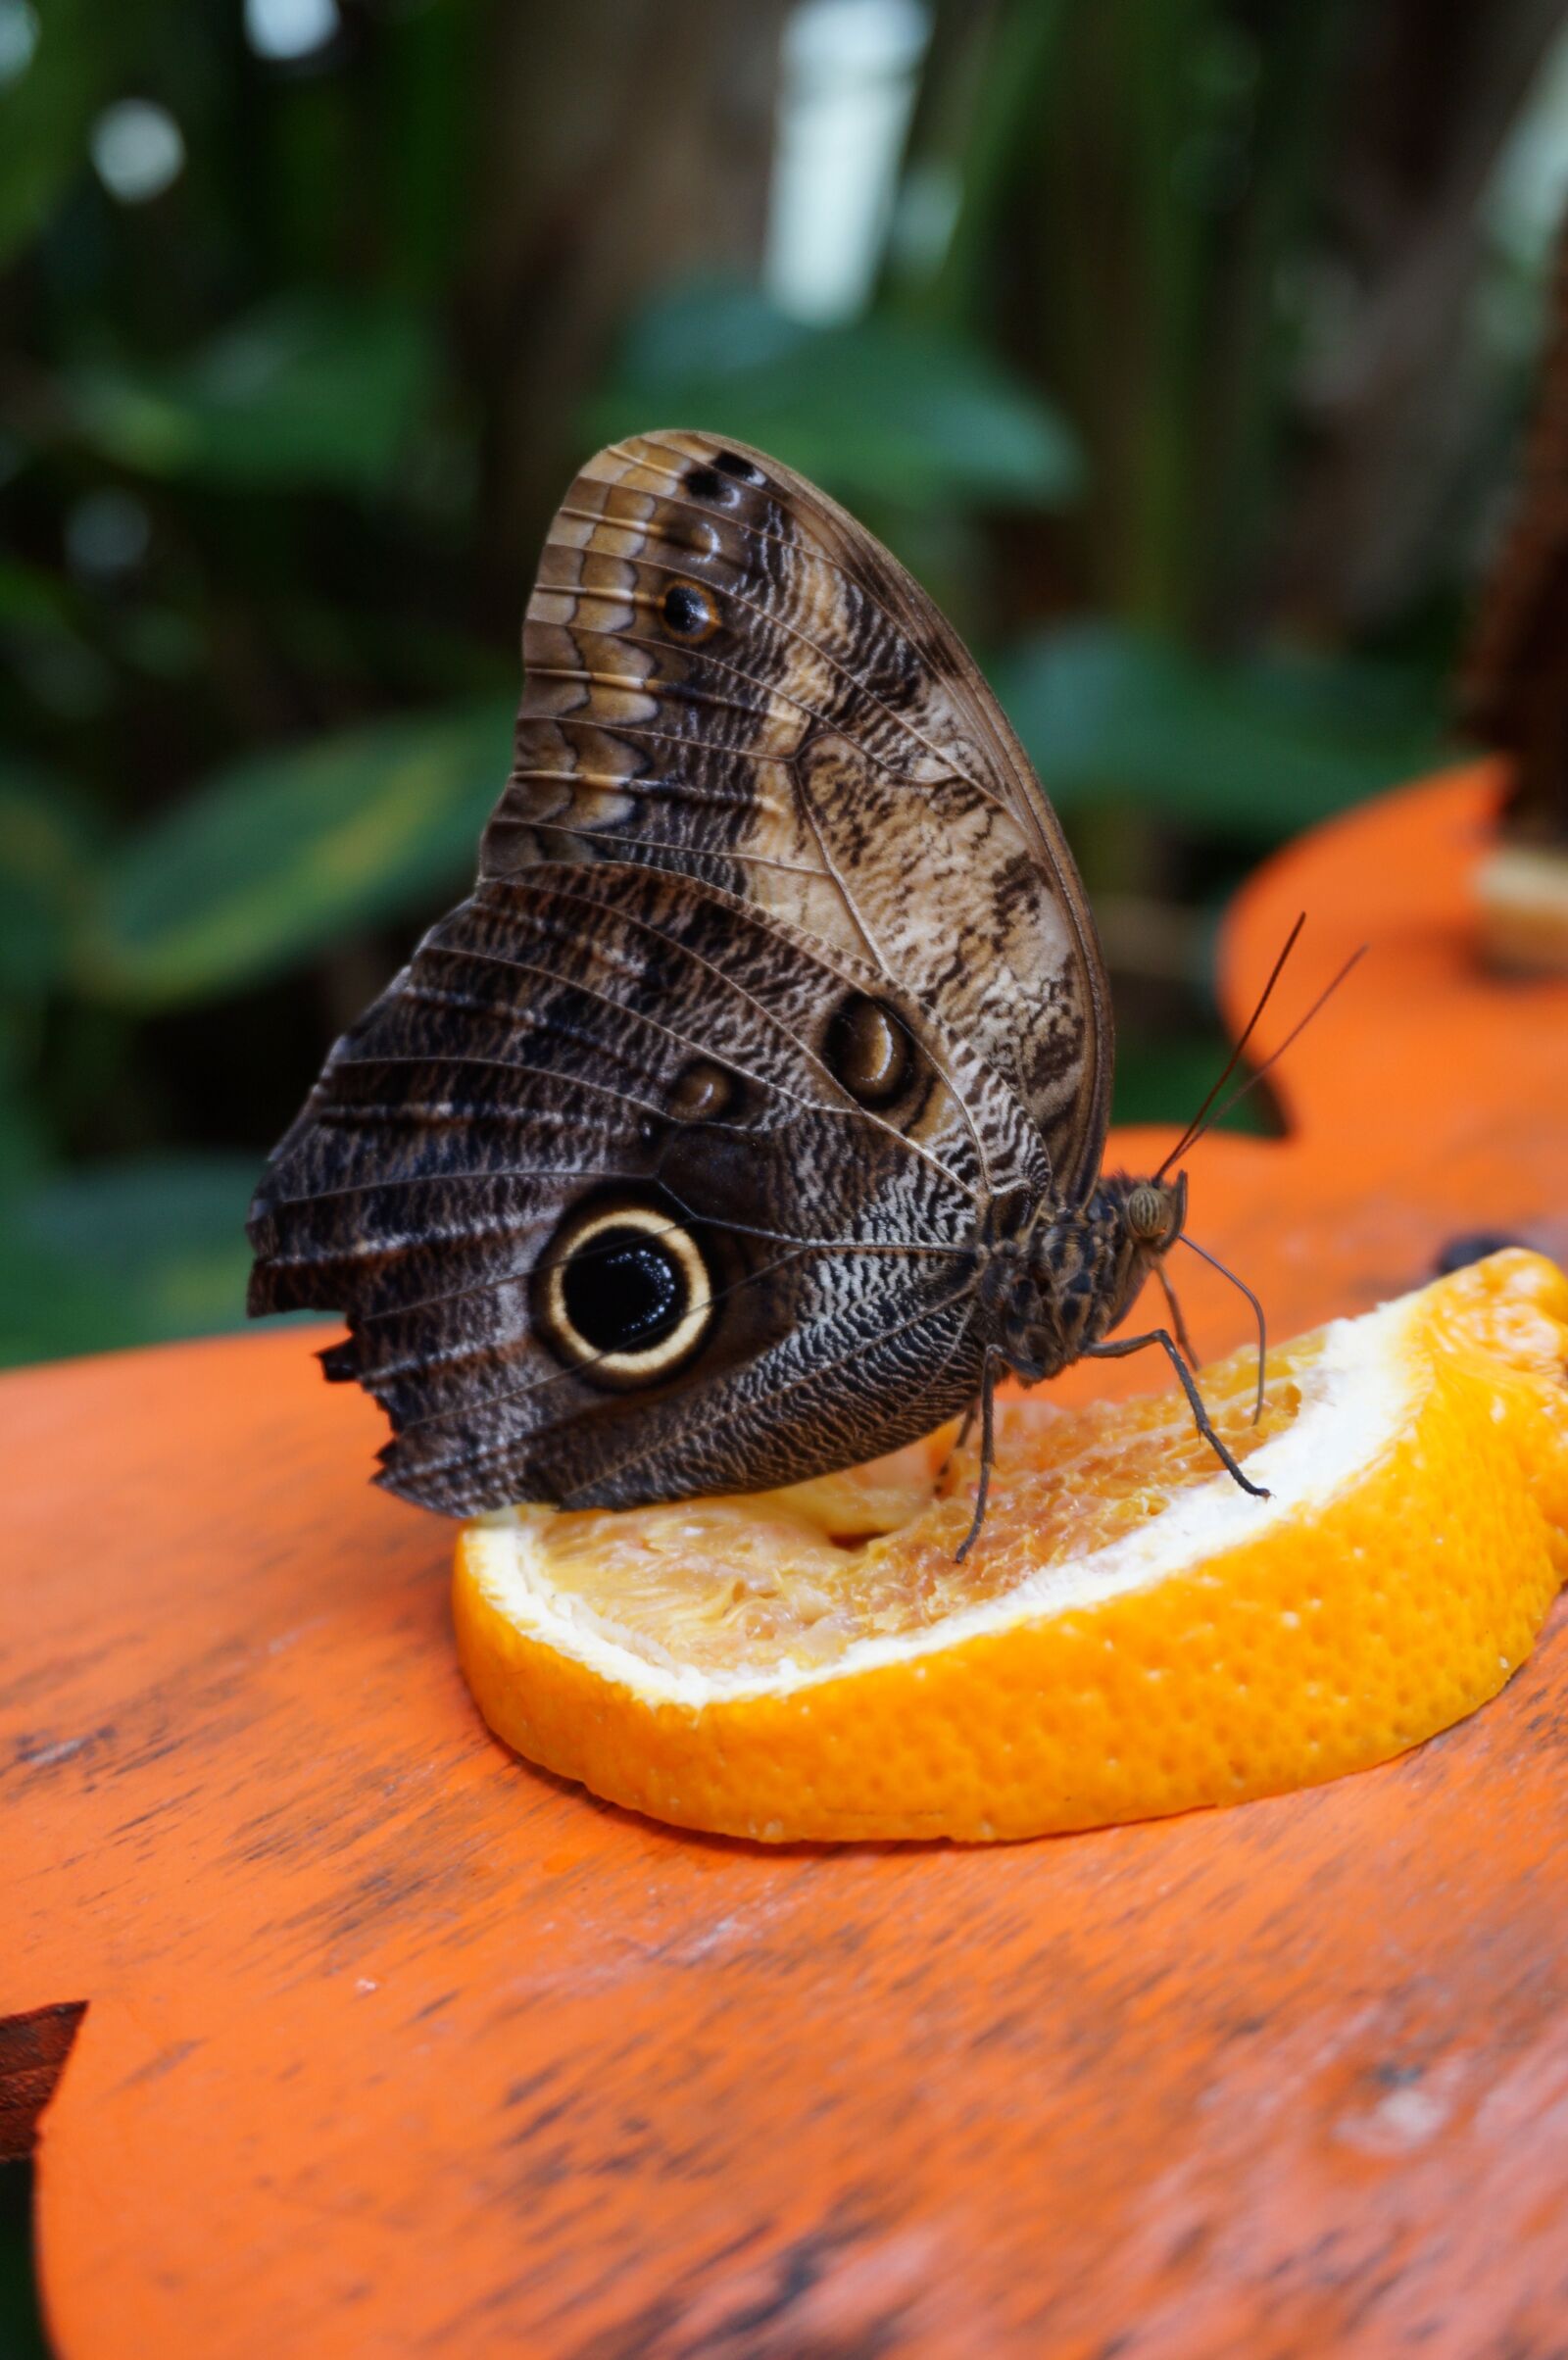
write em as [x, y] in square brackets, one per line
[1131, 1635]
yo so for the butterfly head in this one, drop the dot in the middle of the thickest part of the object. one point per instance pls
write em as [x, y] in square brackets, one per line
[1137, 1223]
[1155, 1213]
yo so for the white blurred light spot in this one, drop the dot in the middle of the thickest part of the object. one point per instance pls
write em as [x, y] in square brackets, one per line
[850, 73]
[19, 38]
[137, 150]
[107, 534]
[290, 28]
[1529, 182]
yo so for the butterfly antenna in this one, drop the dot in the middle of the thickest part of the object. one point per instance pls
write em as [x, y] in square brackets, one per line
[1195, 1127]
[1215, 1263]
[1294, 1034]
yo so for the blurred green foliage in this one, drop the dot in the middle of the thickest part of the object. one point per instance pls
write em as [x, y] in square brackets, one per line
[276, 857]
[277, 442]
[306, 391]
[888, 412]
[1254, 748]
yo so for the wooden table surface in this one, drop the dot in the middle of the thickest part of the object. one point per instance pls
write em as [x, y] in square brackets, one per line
[393, 2045]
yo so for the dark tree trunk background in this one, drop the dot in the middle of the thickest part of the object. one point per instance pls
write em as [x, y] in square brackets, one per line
[1431, 91]
[626, 144]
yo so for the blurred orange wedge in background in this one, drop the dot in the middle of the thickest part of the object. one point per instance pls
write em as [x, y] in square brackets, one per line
[1131, 1635]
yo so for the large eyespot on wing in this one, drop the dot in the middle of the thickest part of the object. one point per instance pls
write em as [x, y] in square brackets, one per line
[624, 1292]
[625, 1193]
[728, 676]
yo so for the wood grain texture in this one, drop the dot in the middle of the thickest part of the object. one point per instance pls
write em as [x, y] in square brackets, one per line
[393, 2045]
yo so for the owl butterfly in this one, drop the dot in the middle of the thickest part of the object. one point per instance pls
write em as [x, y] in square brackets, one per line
[746, 1120]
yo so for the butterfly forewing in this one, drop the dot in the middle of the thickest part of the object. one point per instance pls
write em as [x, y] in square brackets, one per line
[574, 1042]
[726, 674]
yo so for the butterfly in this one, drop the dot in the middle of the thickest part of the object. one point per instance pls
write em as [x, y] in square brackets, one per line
[747, 1119]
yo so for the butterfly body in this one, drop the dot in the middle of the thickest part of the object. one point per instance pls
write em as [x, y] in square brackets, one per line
[1055, 1289]
[746, 1120]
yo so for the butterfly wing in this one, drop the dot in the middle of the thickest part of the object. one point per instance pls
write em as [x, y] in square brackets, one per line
[585, 1067]
[727, 676]
[662, 1166]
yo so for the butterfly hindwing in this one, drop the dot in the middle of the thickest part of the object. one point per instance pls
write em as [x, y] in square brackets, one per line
[614, 1046]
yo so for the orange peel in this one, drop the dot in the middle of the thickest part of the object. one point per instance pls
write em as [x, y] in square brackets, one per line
[1132, 1636]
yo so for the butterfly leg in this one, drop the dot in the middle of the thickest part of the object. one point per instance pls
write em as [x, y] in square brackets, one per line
[988, 1449]
[1176, 1319]
[966, 1429]
[1119, 1348]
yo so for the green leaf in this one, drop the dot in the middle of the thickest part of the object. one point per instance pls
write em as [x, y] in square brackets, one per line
[34, 601]
[311, 389]
[1165, 1078]
[24, 1145]
[45, 872]
[1256, 748]
[42, 648]
[131, 1251]
[285, 852]
[877, 410]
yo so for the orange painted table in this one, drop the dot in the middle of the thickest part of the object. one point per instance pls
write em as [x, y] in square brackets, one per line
[393, 2045]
